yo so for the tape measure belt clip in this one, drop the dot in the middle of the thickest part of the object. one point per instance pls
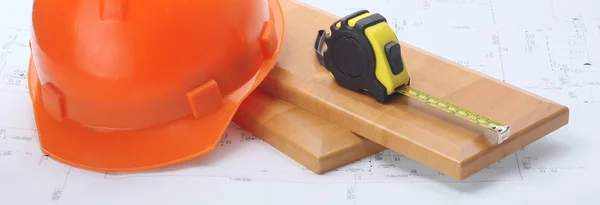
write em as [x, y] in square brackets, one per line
[319, 46]
[358, 59]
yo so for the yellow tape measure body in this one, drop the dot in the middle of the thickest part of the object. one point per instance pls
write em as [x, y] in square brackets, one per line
[363, 54]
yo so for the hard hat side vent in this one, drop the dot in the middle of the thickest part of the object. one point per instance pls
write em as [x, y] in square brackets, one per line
[205, 99]
[113, 10]
[53, 101]
[268, 39]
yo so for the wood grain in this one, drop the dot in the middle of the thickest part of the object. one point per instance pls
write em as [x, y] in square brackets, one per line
[315, 143]
[405, 125]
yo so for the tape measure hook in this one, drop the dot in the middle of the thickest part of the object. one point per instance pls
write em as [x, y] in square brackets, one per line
[500, 133]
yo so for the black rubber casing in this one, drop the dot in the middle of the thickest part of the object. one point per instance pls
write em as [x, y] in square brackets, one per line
[350, 58]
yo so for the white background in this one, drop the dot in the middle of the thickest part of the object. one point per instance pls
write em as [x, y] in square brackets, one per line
[549, 47]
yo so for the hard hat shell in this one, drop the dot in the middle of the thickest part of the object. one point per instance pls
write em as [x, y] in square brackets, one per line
[126, 85]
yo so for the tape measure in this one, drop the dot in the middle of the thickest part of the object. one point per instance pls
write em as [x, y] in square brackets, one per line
[363, 54]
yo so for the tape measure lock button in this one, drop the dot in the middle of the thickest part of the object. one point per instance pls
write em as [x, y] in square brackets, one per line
[394, 57]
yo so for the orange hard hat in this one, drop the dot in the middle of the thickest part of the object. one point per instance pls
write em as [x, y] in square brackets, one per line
[128, 85]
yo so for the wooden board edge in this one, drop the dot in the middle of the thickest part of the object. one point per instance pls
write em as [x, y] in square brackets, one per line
[552, 122]
[261, 114]
[435, 160]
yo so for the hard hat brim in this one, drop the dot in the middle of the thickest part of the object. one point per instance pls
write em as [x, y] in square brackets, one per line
[136, 150]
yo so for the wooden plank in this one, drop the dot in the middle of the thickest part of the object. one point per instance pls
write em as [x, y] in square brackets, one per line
[404, 125]
[315, 143]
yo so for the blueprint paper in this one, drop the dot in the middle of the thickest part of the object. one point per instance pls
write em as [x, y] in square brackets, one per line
[548, 47]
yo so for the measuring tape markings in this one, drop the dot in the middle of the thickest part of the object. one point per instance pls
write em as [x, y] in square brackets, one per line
[475, 118]
[363, 53]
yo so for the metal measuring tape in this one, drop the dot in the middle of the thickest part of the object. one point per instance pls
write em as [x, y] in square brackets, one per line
[363, 54]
